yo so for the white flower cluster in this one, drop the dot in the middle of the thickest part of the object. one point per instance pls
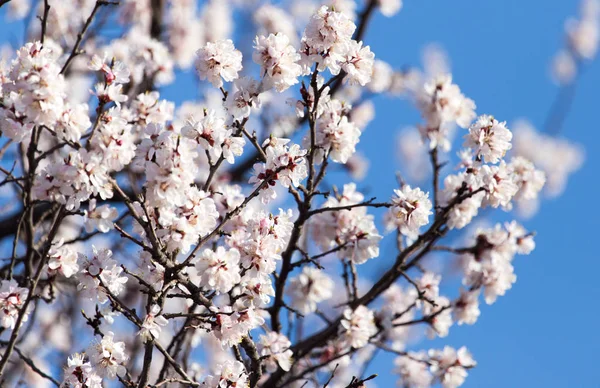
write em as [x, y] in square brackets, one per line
[106, 358]
[557, 157]
[309, 288]
[337, 136]
[285, 164]
[34, 93]
[99, 218]
[219, 270]
[12, 299]
[147, 58]
[259, 237]
[218, 62]
[99, 274]
[214, 136]
[180, 211]
[227, 374]
[357, 327]
[489, 139]
[148, 108]
[272, 20]
[583, 37]
[443, 105]
[389, 7]
[447, 366]
[489, 266]
[275, 348]
[495, 185]
[352, 232]
[278, 60]
[63, 259]
[85, 172]
[410, 211]
[328, 43]
[153, 324]
[185, 30]
[80, 373]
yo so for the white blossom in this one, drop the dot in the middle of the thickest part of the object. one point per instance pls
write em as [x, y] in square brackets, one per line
[108, 356]
[489, 139]
[80, 374]
[357, 327]
[219, 269]
[12, 301]
[450, 366]
[276, 348]
[63, 258]
[352, 232]
[219, 61]
[309, 288]
[410, 211]
[227, 374]
[278, 60]
[152, 325]
[100, 218]
[389, 7]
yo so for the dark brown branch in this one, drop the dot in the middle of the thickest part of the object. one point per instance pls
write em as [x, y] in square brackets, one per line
[81, 34]
[44, 21]
[32, 288]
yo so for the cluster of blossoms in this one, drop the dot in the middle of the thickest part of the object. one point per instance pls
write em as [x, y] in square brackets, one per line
[327, 43]
[284, 164]
[357, 327]
[153, 324]
[218, 62]
[447, 366]
[410, 211]
[557, 158]
[106, 358]
[350, 232]
[213, 264]
[180, 211]
[497, 184]
[228, 374]
[12, 299]
[100, 275]
[83, 172]
[214, 136]
[336, 135]
[34, 93]
[489, 264]
[146, 57]
[443, 106]
[63, 259]
[308, 289]
[583, 37]
[278, 60]
[275, 348]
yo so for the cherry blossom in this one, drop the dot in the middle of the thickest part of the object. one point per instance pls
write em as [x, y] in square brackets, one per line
[309, 288]
[358, 326]
[152, 325]
[489, 138]
[218, 62]
[410, 211]
[224, 232]
[12, 300]
[108, 356]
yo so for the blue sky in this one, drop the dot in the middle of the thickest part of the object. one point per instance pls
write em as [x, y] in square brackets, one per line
[543, 333]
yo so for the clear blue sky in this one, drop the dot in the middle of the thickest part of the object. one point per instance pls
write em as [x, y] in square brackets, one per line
[544, 332]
